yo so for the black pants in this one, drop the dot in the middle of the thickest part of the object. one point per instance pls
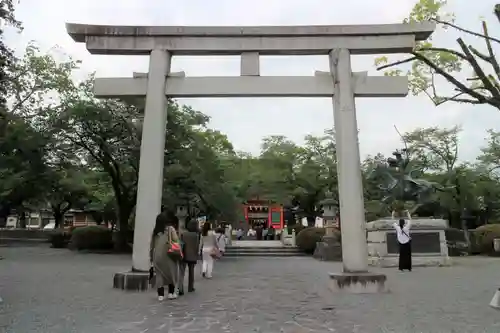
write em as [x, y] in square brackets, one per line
[171, 290]
[405, 256]
[182, 273]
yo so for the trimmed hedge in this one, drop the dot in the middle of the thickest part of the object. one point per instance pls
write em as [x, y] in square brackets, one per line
[59, 239]
[308, 237]
[92, 238]
[484, 235]
[457, 244]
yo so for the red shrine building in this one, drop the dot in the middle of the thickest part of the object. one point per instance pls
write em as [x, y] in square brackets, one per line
[263, 213]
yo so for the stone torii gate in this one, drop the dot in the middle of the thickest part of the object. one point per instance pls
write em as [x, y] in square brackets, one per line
[160, 43]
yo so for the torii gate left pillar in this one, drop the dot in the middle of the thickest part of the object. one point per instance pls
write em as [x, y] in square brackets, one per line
[338, 42]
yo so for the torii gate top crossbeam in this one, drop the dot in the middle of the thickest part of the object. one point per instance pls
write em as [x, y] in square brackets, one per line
[267, 40]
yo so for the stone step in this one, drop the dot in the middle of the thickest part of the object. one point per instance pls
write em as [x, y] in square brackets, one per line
[261, 249]
[263, 252]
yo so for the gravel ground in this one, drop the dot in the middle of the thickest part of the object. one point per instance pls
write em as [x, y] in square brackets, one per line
[58, 291]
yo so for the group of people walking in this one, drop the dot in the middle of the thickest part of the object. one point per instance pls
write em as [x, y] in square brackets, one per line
[173, 252]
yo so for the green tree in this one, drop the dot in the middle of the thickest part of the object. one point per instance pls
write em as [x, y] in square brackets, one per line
[298, 175]
[105, 134]
[197, 172]
[428, 63]
[65, 190]
[25, 141]
[7, 59]
[38, 80]
[22, 165]
[435, 147]
[488, 179]
[101, 200]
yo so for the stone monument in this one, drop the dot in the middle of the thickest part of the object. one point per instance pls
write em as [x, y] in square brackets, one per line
[429, 246]
[330, 248]
[160, 43]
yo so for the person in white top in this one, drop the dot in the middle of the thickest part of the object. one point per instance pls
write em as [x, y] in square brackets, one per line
[404, 239]
[221, 240]
[209, 250]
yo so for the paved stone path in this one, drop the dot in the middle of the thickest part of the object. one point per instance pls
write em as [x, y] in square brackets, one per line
[58, 291]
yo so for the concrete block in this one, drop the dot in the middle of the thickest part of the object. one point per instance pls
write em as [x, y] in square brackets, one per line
[131, 281]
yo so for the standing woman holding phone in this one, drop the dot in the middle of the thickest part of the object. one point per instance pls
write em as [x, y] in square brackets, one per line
[404, 239]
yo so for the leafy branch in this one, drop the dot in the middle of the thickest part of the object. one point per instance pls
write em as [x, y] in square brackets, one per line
[429, 62]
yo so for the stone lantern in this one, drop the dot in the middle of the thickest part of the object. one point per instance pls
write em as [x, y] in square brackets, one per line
[330, 208]
[329, 249]
[181, 213]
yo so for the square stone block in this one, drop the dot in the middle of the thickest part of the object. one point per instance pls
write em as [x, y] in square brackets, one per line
[358, 283]
[328, 250]
[131, 281]
[429, 246]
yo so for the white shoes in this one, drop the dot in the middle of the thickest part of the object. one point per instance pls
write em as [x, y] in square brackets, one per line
[174, 295]
[169, 296]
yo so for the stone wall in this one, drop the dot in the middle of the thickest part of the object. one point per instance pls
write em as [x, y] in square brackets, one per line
[22, 235]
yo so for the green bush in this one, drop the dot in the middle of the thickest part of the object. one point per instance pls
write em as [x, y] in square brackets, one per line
[297, 227]
[457, 244]
[484, 235]
[92, 238]
[308, 237]
[59, 239]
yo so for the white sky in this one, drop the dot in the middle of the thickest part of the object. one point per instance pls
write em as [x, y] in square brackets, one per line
[247, 121]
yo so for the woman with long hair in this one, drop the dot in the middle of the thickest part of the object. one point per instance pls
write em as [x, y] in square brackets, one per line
[209, 250]
[165, 267]
[403, 235]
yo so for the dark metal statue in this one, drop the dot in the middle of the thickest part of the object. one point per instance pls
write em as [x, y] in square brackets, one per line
[399, 181]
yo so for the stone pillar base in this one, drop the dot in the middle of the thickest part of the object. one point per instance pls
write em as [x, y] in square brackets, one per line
[329, 249]
[358, 283]
[495, 301]
[132, 281]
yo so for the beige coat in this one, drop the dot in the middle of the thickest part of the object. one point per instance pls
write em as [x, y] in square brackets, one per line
[166, 269]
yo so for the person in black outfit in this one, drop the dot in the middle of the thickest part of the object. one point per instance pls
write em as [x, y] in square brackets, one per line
[258, 232]
[271, 233]
[404, 239]
[190, 245]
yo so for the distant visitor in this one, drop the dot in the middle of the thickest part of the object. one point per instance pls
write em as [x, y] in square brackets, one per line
[404, 240]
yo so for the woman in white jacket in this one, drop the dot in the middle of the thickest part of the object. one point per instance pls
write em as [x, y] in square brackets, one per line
[221, 240]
